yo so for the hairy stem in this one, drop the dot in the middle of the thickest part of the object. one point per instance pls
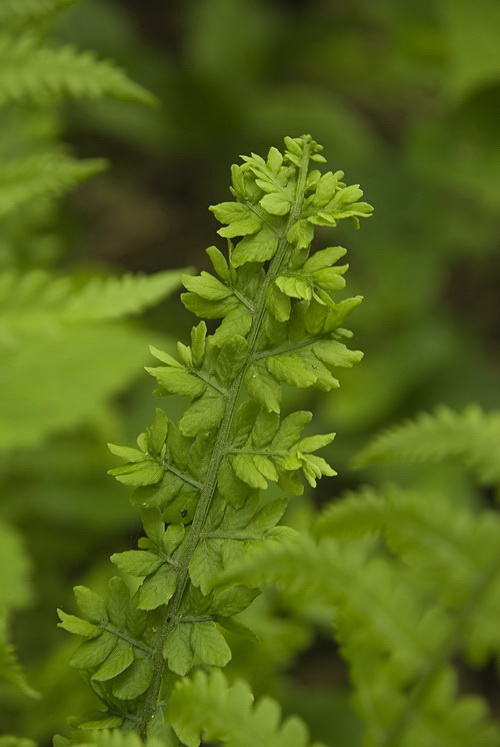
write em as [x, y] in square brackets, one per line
[151, 698]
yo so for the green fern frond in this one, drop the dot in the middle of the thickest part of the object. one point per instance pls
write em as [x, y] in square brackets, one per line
[83, 365]
[198, 482]
[206, 708]
[453, 549]
[400, 622]
[54, 352]
[29, 10]
[11, 670]
[42, 176]
[472, 438]
[117, 297]
[35, 302]
[28, 70]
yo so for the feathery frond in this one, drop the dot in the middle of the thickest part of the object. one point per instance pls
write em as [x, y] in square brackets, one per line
[206, 708]
[29, 70]
[35, 302]
[471, 438]
[42, 177]
[198, 482]
[402, 616]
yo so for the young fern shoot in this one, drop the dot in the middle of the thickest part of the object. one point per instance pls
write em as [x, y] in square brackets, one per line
[199, 482]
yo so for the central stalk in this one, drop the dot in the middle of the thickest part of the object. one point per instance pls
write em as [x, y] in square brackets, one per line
[151, 698]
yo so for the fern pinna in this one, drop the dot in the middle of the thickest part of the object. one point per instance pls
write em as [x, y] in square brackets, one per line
[413, 581]
[199, 481]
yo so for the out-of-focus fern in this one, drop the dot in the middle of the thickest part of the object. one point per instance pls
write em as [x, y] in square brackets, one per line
[61, 355]
[58, 367]
[44, 176]
[36, 302]
[36, 72]
[414, 582]
[30, 69]
[49, 326]
[402, 618]
[472, 437]
[207, 709]
[45, 323]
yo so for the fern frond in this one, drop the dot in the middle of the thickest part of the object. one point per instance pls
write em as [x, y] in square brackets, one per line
[473, 437]
[28, 70]
[400, 624]
[82, 364]
[206, 708]
[453, 549]
[35, 302]
[43, 176]
[117, 297]
[11, 670]
[199, 481]
[29, 10]
[54, 351]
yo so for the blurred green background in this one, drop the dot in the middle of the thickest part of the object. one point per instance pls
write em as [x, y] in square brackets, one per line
[405, 97]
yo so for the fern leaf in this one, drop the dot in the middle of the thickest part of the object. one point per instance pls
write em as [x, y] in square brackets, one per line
[354, 515]
[81, 364]
[26, 179]
[115, 298]
[203, 476]
[397, 625]
[207, 708]
[11, 670]
[34, 303]
[28, 70]
[473, 437]
[454, 550]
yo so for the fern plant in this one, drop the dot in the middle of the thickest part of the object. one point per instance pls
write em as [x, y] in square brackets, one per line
[36, 73]
[413, 581]
[63, 354]
[199, 482]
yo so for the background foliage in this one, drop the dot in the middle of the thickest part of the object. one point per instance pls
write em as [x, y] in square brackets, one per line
[403, 96]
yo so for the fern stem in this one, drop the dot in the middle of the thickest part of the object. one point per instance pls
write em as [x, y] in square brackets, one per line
[150, 700]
